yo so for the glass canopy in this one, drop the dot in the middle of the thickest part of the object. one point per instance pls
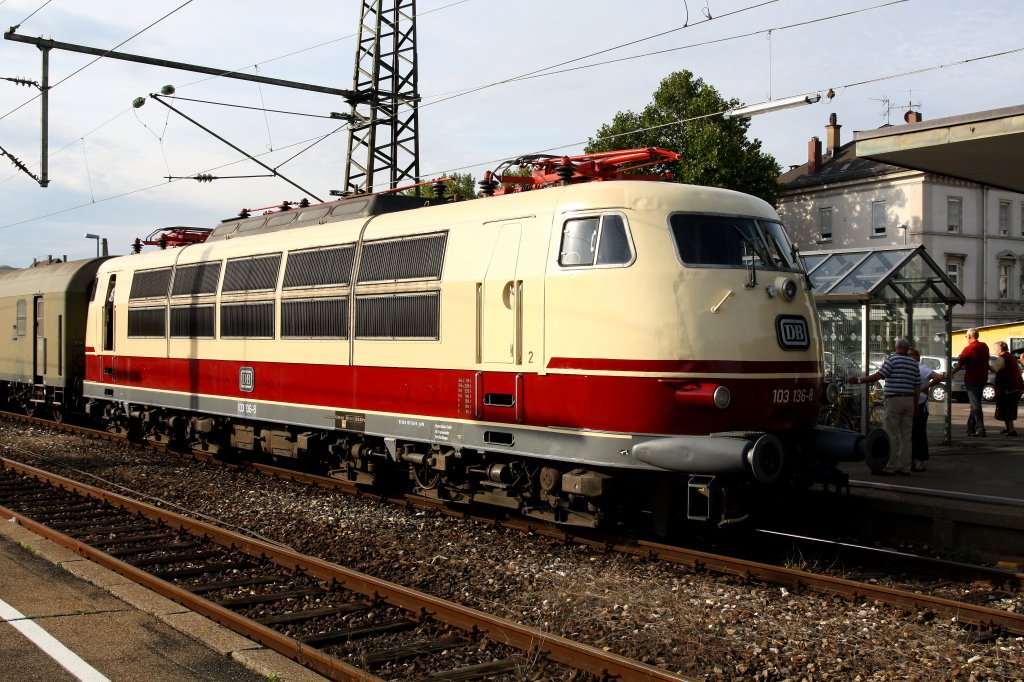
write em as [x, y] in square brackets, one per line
[866, 298]
[893, 274]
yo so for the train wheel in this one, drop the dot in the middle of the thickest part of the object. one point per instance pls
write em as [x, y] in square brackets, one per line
[57, 413]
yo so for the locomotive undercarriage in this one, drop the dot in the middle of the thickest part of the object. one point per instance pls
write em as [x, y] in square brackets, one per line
[566, 494]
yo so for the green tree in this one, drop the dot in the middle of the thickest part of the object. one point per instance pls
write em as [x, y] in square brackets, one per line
[463, 185]
[714, 150]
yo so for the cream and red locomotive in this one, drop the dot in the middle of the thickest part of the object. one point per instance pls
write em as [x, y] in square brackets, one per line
[571, 352]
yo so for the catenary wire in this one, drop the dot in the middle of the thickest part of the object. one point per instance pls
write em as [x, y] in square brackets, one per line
[86, 66]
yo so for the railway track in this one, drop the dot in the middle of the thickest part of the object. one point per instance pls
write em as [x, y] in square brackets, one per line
[973, 614]
[340, 623]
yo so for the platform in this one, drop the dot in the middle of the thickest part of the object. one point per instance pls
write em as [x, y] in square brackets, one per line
[63, 617]
[969, 502]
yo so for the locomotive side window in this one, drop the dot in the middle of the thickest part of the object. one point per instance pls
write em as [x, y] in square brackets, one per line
[595, 241]
[579, 241]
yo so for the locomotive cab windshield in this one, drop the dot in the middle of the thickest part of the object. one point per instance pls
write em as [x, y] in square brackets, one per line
[733, 241]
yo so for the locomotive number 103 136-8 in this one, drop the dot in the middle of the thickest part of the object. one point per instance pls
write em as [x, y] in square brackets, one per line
[786, 396]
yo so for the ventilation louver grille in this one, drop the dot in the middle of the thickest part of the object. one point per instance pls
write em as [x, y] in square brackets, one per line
[147, 322]
[318, 267]
[247, 320]
[192, 321]
[150, 284]
[412, 316]
[196, 280]
[400, 259]
[322, 318]
[257, 273]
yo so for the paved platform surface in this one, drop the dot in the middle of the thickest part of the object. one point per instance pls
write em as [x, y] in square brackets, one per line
[57, 606]
[984, 469]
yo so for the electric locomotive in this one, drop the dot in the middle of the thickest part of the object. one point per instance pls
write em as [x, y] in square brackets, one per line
[579, 347]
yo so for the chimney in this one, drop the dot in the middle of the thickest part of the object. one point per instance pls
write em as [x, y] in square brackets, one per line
[813, 155]
[912, 116]
[832, 135]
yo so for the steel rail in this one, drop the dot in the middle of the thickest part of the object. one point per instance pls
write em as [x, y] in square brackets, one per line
[554, 648]
[794, 579]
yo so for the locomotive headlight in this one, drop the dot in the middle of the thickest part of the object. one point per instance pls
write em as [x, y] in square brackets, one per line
[722, 397]
[785, 287]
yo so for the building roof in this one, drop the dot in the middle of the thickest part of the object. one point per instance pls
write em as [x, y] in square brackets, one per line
[842, 166]
[984, 147]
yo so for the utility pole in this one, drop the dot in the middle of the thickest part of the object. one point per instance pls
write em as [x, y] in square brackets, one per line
[383, 141]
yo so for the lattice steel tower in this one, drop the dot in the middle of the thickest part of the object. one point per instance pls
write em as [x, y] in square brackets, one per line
[383, 143]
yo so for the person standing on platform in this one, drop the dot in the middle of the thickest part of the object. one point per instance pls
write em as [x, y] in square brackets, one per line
[1009, 385]
[919, 430]
[902, 386]
[973, 361]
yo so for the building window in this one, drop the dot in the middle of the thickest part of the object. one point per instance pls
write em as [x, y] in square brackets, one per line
[1004, 218]
[1022, 219]
[954, 213]
[954, 267]
[878, 218]
[1005, 273]
[825, 223]
[1020, 295]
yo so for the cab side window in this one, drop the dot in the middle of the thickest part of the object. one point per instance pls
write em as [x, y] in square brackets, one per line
[591, 241]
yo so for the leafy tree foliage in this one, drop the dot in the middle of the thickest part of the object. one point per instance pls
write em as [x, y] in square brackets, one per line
[462, 185]
[714, 151]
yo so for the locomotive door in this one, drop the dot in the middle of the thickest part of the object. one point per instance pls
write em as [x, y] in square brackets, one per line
[39, 347]
[501, 317]
[501, 300]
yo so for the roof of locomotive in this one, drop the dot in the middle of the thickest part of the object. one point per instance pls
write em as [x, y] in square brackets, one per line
[632, 192]
[331, 225]
[46, 278]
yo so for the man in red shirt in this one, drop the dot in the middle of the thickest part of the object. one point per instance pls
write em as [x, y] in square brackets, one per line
[973, 361]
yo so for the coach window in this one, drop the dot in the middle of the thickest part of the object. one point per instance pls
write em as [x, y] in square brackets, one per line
[19, 323]
[595, 241]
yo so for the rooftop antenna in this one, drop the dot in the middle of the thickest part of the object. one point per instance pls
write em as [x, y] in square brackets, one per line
[887, 108]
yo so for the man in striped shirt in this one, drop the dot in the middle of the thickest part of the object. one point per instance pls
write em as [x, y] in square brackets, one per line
[902, 384]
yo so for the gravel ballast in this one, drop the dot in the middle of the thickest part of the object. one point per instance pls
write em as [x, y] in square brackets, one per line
[696, 624]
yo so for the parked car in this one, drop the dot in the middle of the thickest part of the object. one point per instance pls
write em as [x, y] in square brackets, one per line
[959, 391]
[838, 367]
[937, 364]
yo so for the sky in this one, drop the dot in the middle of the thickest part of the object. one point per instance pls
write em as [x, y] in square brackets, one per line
[109, 162]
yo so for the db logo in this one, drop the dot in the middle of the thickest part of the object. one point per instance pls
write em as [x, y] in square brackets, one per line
[792, 332]
[246, 379]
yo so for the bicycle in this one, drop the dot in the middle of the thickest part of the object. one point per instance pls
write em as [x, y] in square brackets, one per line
[844, 412]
